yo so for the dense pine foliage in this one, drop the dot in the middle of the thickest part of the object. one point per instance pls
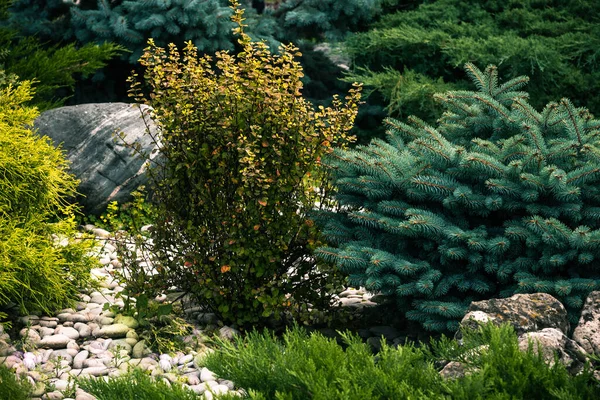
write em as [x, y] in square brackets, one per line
[408, 56]
[495, 199]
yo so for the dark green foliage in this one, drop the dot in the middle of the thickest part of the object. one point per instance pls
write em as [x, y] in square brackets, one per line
[41, 267]
[328, 19]
[302, 366]
[132, 23]
[498, 369]
[241, 151]
[135, 385]
[12, 387]
[206, 23]
[495, 199]
[408, 56]
[55, 68]
[47, 20]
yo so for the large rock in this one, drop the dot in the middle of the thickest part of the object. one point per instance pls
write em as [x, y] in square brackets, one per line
[540, 320]
[525, 312]
[108, 170]
[587, 332]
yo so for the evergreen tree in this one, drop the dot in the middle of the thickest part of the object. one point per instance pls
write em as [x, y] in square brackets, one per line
[132, 23]
[407, 56]
[329, 19]
[53, 69]
[496, 199]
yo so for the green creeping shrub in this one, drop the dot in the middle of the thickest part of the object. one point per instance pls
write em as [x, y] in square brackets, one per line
[12, 387]
[303, 366]
[55, 68]
[135, 385]
[496, 199]
[407, 56]
[41, 265]
[239, 171]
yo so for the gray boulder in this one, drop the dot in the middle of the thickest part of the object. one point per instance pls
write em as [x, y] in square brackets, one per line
[587, 331]
[107, 169]
[525, 312]
[541, 320]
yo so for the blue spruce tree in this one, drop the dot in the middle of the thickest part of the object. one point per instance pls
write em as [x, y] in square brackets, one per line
[131, 23]
[496, 199]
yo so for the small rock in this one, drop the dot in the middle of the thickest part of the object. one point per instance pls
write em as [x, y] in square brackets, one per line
[6, 349]
[71, 333]
[230, 385]
[11, 361]
[198, 389]
[61, 384]
[95, 371]
[84, 396]
[79, 358]
[29, 320]
[45, 331]
[147, 362]
[113, 331]
[186, 359]
[122, 345]
[192, 379]
[101, 233]
[140, 350]
[48, 322]
[38, 389]
[127, 320]
[219, 389]
[453, 370]
[228, 333]
[55, 341]
[64, 354]
[30, 336]
[104, 320]
[83, 329]
[92, 363]
[207, 375]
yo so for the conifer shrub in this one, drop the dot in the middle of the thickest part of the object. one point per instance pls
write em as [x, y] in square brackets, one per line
[41, 267]
[496, 199]
[13, 387]
[135, 385]
[409, 55]
[310, 366]
[238, 172]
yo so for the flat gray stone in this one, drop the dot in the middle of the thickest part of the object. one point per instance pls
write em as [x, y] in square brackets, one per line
[106, 167]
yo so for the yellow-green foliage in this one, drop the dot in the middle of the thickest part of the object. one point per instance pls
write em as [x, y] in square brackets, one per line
[40, 268]
[240, 166]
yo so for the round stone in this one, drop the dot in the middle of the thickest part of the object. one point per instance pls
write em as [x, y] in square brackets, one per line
[127, 320]
[140, 350]
[55, 341]
[71, 333]
[207, 375]
[95, 371]
[79, 358]
[113, 331]
[101, 233]
[83, 329]
[30, 335]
